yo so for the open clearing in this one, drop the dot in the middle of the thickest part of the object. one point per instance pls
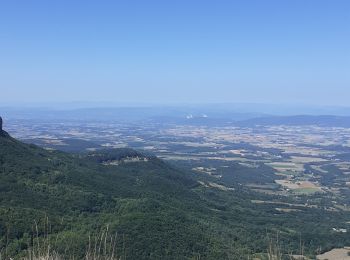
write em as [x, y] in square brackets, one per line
[286, 166]
[336, 254]
[299, 186]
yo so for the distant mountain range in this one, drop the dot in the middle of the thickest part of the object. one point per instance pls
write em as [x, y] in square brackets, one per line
[323, 120]
[201, 114]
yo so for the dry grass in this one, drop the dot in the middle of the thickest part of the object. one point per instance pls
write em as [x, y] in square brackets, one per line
[274, 251]
[100, 247]
[104, 247]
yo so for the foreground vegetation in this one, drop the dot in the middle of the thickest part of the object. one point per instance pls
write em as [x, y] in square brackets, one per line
[106, 246]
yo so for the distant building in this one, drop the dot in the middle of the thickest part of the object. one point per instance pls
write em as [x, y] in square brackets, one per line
[340, 230]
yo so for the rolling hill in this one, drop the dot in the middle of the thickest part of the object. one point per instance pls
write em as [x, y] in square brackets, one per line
[150, 203]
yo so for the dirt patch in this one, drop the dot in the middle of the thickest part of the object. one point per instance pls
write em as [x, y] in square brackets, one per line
[336, 254]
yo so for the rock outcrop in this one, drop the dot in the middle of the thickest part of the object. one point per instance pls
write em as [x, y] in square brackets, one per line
[2, 132]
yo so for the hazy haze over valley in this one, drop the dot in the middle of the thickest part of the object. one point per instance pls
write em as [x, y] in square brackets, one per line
[164, 130]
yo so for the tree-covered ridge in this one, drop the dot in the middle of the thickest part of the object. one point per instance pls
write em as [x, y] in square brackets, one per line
[151, 203]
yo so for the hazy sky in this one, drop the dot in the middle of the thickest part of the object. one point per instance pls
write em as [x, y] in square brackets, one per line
[293, 51]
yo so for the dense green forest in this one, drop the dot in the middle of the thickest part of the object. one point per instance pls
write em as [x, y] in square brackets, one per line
[159, 211]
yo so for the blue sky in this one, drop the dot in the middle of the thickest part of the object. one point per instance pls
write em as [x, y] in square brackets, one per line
[193, 51]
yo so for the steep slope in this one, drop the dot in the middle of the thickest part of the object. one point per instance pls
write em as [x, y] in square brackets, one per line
[147, 201]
